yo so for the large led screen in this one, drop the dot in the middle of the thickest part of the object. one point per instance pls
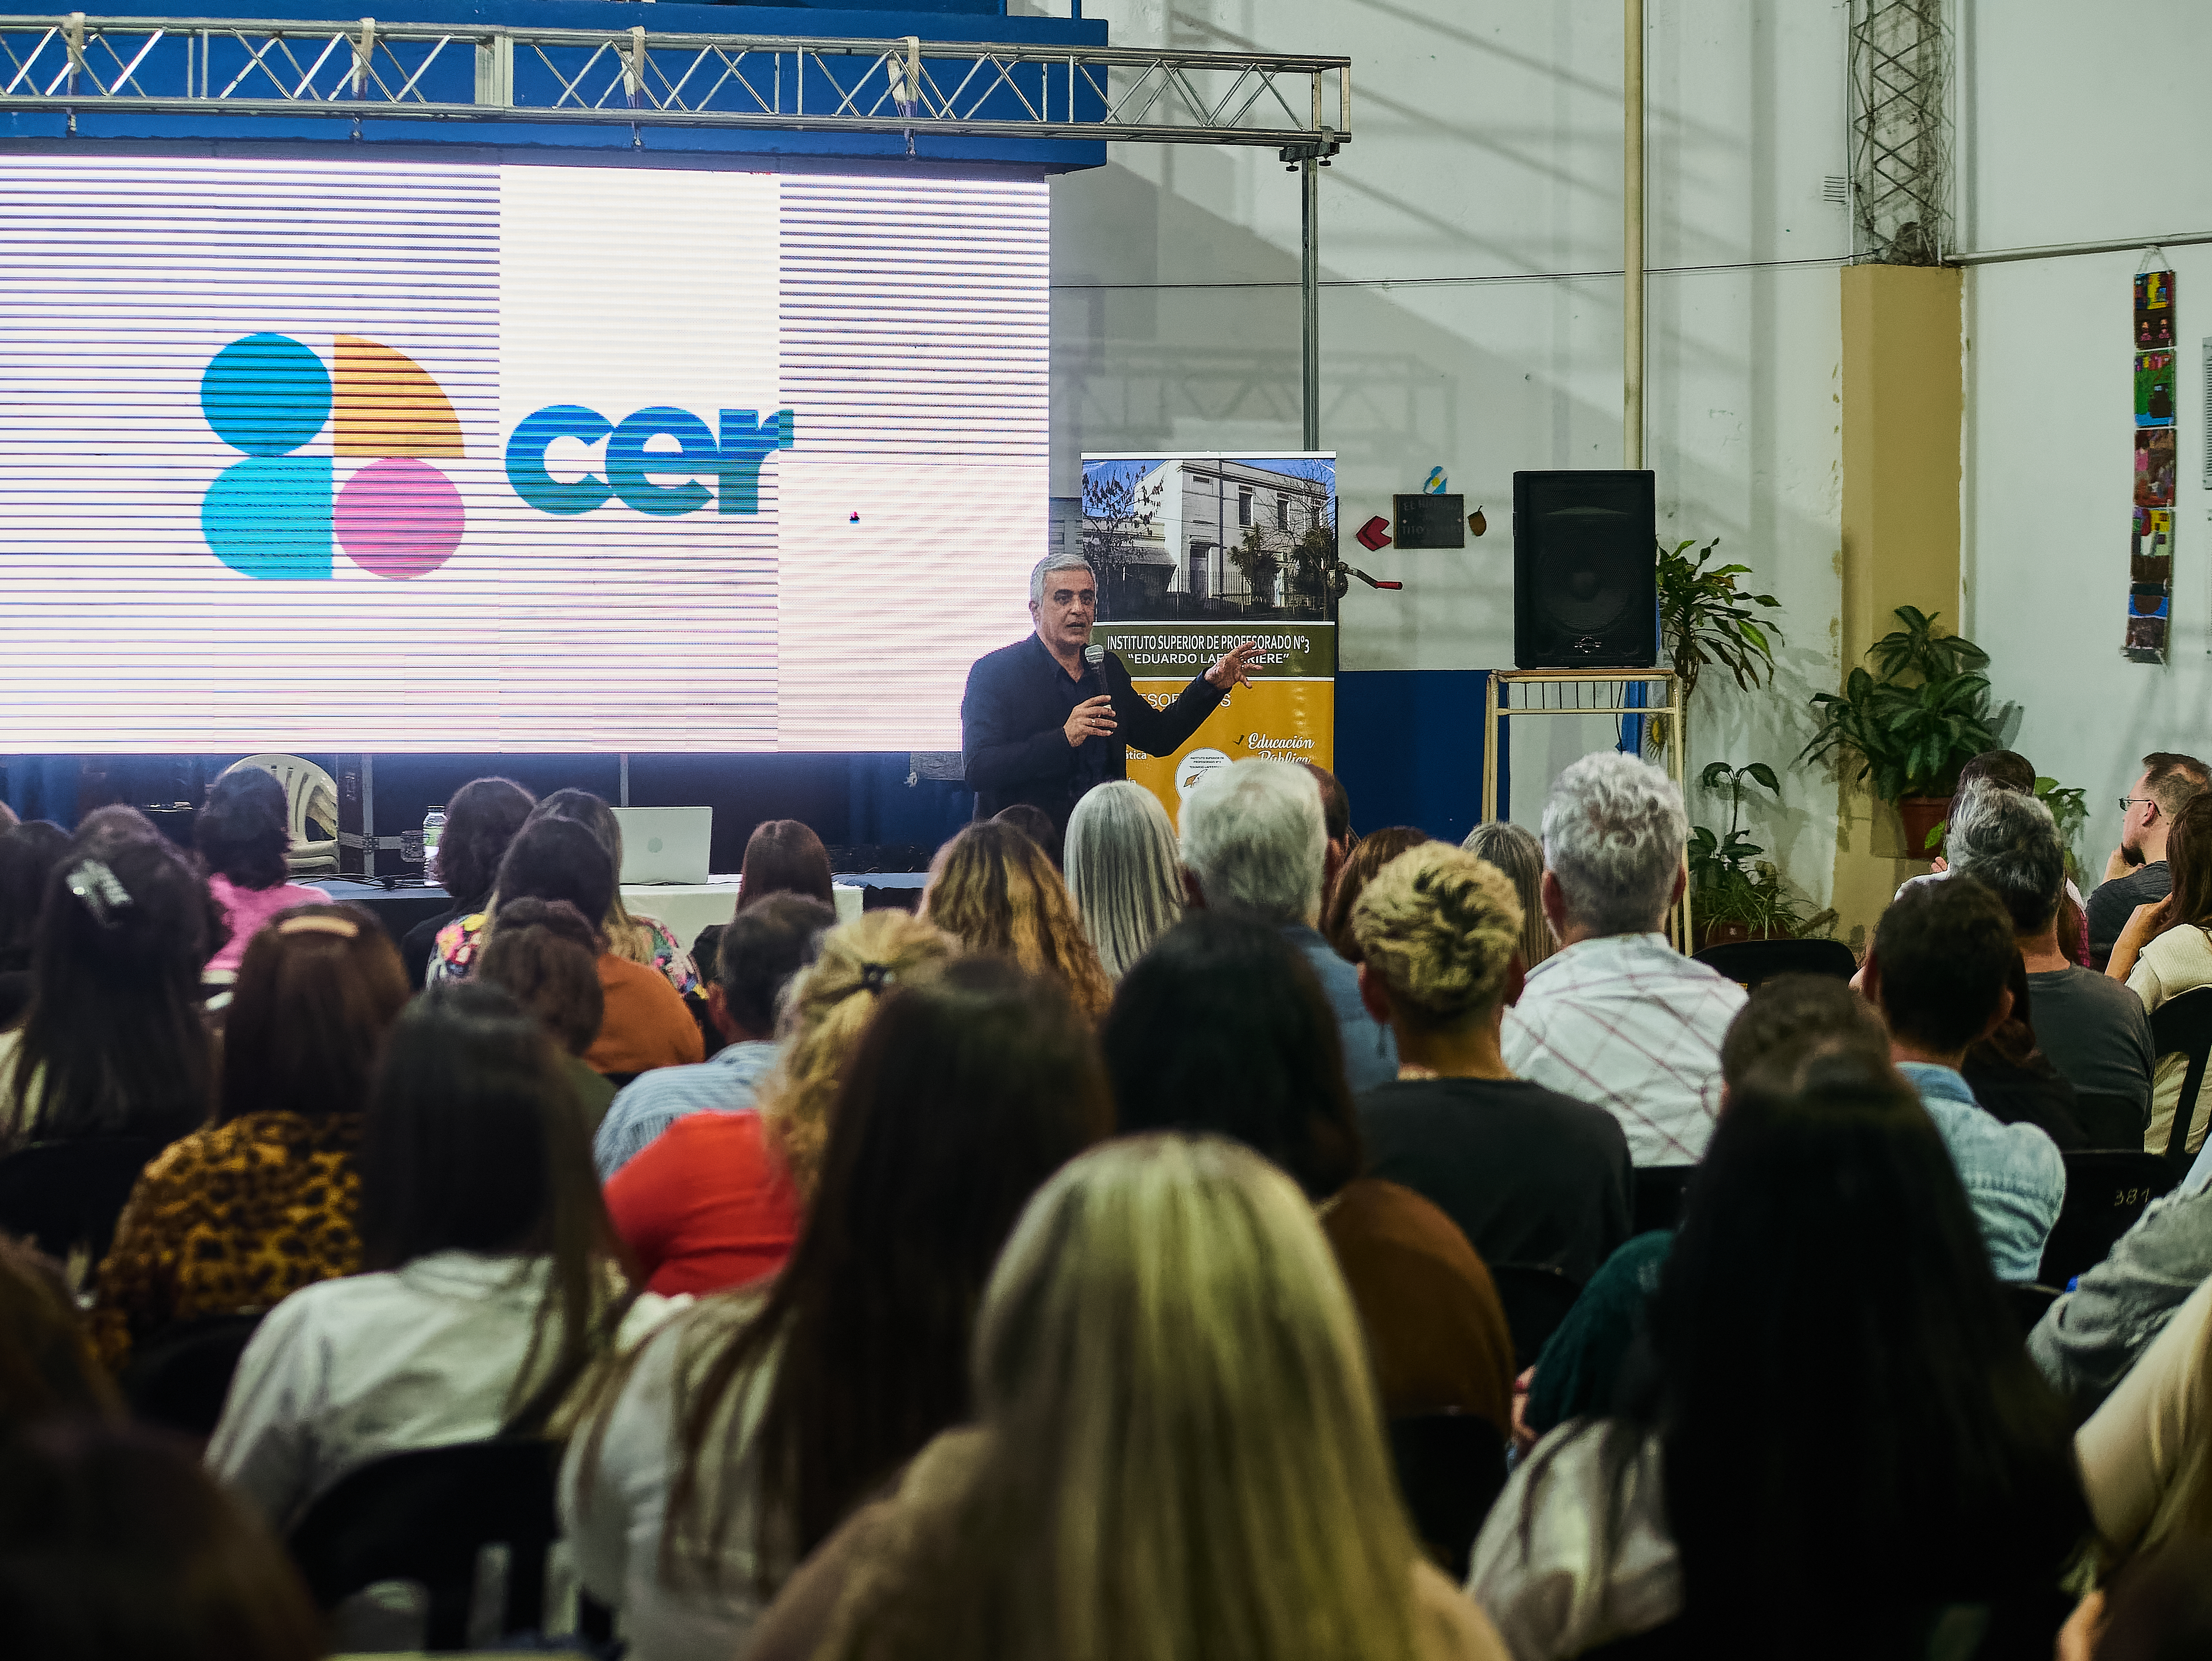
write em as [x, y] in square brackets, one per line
[322, 454]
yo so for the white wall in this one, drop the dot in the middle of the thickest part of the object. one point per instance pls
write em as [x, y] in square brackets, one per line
[1484, 176]
[2067, 133]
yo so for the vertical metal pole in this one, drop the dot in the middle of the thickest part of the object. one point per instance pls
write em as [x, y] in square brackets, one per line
[1309, 289]
[1631, 194]
[624, 791]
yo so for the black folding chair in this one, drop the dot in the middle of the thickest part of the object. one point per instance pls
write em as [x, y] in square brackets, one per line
[425, 1516]
[2109, 1120]
[1656, 1201]
[1451, 1469]
[64, 1194]
[1752, 961]
[2107, 1190]
[2183, 1026]
[1536, 1297]
[177, 1378]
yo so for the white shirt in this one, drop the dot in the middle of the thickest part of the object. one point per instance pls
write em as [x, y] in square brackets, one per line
[1547, 1594]
[1629, 1024]
[617, 1535]
[347, 1370]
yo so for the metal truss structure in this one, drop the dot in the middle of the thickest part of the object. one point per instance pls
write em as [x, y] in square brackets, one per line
[1900, 131]
[641, 76]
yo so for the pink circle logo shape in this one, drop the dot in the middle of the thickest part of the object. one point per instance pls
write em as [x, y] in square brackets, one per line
[400, 518]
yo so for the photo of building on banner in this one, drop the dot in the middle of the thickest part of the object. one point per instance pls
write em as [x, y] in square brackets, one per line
[1195, 553]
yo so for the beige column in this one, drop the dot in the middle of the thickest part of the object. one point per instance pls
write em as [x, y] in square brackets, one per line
[1904, 403]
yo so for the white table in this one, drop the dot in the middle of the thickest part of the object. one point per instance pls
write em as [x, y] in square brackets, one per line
[689, 907]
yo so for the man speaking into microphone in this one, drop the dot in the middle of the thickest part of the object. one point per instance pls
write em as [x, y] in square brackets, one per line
[1044, 720]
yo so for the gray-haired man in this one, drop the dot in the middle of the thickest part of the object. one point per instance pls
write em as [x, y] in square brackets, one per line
[1039, 725]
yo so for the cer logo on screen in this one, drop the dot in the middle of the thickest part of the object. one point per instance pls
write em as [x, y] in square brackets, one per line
[275, 514]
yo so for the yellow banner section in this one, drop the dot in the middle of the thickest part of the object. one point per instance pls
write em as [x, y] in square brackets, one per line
[1285, 719]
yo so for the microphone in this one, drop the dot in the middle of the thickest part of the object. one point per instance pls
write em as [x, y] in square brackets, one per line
[1094, 660]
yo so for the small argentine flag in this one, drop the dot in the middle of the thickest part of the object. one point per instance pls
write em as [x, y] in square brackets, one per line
[1435, 487]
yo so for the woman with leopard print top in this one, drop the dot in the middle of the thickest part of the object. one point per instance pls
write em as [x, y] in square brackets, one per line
[230, 1219]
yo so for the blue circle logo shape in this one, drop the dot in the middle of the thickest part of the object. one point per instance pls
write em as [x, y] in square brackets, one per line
[265, 394]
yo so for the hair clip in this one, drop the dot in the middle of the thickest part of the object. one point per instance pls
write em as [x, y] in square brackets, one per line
[344, 927]
[875, 976]
[98, 890]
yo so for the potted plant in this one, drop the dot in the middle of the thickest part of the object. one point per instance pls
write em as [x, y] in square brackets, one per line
[1912, 726]
[1733, 894]
[1704, 618]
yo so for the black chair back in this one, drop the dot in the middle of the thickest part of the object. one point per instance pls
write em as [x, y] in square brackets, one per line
[1451, 1469]
[1752, 961]
[1656, 1201]
[424, 1517]
[67, 1194]
[2107, 1191]
[179, 1378]
[2109, 1120]
[2183, 1026]
[1536, 1297]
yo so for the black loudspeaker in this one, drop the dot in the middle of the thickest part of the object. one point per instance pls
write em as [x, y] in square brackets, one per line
[1585, 571]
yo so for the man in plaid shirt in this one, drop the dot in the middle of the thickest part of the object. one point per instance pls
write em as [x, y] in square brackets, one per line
[1617, 1017]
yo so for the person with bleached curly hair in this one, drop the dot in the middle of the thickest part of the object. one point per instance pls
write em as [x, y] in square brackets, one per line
[1617, 1016]
[1529, 1176]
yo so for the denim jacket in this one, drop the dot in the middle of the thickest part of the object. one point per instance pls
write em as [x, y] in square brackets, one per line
[2012, 1174]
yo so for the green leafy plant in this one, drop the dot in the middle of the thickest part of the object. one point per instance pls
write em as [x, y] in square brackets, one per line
[1910, 730]
[1704, 618]
[1730, 884]
[1713, 858]
[2069, 807]
[1259, 564]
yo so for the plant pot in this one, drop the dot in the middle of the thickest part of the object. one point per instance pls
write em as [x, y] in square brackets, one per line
[1920, 815]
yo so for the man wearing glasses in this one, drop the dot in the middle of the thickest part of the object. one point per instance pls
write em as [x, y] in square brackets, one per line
[1040, 724]
[2136, 874]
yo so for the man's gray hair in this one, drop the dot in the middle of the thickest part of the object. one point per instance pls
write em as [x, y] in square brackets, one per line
[2007, 841]
[1051, 562]
[1254, 837]
[1613, 834]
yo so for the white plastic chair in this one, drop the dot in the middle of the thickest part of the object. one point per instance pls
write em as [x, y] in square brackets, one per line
[310, 792]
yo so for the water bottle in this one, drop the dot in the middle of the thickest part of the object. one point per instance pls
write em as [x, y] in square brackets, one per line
[434, 826]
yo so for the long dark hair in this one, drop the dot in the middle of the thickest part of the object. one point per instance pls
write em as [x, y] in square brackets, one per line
[113, 1043]
[318, 991]
[480, 821]
[245, 830]
[1853, 1436]
[964, 1096]
[1375, 850]
[474, 1142]
[558, 859]
[1222, 1026]
[27, 856]
[783, 856]
[545, 954]
[2189, 858]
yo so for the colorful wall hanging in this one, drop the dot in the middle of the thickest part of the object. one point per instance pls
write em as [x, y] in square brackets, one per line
[2150, 553]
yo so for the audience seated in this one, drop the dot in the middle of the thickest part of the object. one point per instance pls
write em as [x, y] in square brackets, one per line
[1753, 1495]
[993, 889]
[1122, 872]
[1516, 853]
[1222, 1027]
[2146, 1453]
[2008, 769]
[644, 941]
[2014, 1081]
[1789, 1020]
[229, 1219]
[47, 1367]
[113, 1042]
[1078, 1517]
[244, 832]
[715, 1200]
[760, 951]
[481, 819]
[1374, 850]
[1937, 972]
[1618, 1016]
[2166, 949]
[546, 958]
[493, 1283]
[27, 857]
[1037, 824]
[2136, 873]
[1254, 839]
[115, 1546]
[1336, 825]
[2085, 1341]
[1529, 1176]
[2093, 1029]
[745, 1434]
[783, 856]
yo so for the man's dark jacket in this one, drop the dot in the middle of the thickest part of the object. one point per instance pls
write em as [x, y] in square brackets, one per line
[1013, 744]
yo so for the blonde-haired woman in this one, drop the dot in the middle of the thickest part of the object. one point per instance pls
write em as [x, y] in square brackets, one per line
[715, 1200]
[994, 890]
[1516, 853]
[1123, 872]
[1156, 1283]
[1530, 1177]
